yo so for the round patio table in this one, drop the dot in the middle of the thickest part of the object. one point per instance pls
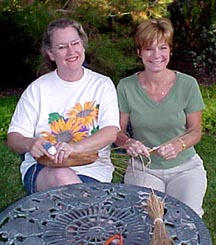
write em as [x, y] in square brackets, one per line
[89, 214]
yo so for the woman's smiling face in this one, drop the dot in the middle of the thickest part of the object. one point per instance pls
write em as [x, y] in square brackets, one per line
[67, 51]
[156, 56]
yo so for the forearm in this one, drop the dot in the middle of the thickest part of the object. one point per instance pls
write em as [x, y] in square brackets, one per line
[19, 143]
[172, 148]
[100, 139]
[190, 138]
[194, 130]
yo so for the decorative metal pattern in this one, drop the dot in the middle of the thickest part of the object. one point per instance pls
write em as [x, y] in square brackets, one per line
[88, 214]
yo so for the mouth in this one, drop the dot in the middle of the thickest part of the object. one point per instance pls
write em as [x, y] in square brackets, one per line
[159, 62]
[72, 59]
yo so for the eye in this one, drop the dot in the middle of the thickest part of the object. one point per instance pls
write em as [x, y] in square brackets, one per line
[164, 47]
[75, 43]
[61, 46]
[148, 49]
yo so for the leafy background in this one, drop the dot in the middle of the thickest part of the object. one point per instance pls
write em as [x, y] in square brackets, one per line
[110, 25]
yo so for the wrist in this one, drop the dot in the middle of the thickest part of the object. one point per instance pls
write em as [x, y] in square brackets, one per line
[127, 141]
[183, 144]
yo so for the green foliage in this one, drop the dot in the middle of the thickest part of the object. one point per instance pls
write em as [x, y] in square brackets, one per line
[204, 59]
[209, 114]
[7, 106]
[21, 31]
[206, 149]
[111, 58]
[10, 179]
[138, 10]
[22, 23]
[195, 35]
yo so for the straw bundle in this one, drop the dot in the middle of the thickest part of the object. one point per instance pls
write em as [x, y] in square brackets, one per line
[75, 159]
[156, 212]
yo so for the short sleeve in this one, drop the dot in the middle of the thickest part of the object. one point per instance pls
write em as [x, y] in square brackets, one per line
[122, 98]
[108, 112]
[195, 100]
[25, 115]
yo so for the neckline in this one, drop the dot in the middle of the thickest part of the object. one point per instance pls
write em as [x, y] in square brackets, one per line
[74, 83]
[165, 98]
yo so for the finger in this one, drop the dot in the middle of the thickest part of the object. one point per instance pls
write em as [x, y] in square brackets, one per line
[145, 151]
[139, 151]
[67, 154]
[135, 150]
[38, 152]
[37, 149]
[171, 154]
[59, 156]
[169, 157]
[161, 151]
[132, 153]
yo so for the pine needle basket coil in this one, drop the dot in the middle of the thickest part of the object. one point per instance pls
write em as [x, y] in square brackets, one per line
[73, 160]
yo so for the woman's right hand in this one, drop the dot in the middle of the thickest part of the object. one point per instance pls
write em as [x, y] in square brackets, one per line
[135, 147]
[37, 148]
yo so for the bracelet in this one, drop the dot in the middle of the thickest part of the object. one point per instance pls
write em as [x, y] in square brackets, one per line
[158, 219]
[183, 144]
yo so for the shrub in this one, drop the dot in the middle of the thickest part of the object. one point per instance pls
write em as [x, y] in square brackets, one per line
[22, 23]
[21, 30]
[209, 114]
[111, 57]
[204, 60]
[194, 25]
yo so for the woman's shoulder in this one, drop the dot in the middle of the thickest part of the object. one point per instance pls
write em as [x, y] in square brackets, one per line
[45, 80]
[186, 80]
[128, 81]
[183, 77]
[129, 78]
[96, 75]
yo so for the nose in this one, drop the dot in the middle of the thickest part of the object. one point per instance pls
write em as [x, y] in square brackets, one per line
[70, 47]
[156, 52]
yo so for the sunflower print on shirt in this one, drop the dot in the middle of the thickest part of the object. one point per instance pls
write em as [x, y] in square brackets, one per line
[81, 121]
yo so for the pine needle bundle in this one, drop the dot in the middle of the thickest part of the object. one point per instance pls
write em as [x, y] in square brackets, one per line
[156, 213]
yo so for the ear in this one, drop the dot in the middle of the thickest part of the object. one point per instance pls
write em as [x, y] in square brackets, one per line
[50, 54]
[139, 53]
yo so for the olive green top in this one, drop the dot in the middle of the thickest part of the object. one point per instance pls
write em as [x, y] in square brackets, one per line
[154, 123]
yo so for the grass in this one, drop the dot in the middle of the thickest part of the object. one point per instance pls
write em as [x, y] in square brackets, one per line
[206, 149]
[11, 188]
[7, 106]
[10, 181]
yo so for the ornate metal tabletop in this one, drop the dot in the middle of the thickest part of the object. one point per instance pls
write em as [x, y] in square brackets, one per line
[88, 214]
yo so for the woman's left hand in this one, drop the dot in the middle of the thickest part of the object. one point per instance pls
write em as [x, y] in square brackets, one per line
[63, 151]
[170, 150]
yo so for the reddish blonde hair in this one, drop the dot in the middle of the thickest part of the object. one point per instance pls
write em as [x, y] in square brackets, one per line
[154, 29]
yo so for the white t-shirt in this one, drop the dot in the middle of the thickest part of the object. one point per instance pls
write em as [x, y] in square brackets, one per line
[65, 111]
